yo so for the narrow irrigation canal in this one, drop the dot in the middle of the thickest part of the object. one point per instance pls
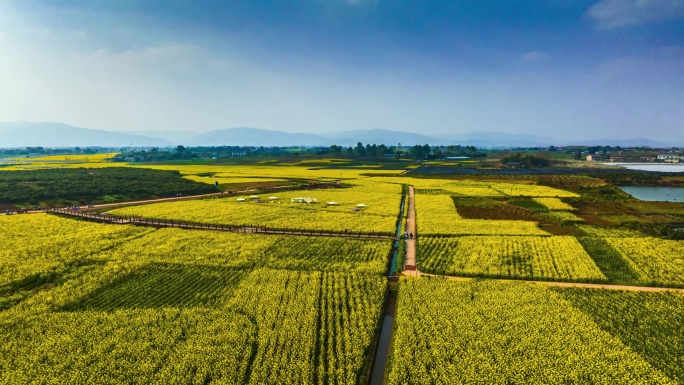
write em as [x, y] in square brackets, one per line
[382, 352]
[383, 344]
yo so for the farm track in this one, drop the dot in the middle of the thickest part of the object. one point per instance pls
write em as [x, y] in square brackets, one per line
[171, 199]
[411, 260]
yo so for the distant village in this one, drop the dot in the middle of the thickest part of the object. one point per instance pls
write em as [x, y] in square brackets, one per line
[631, 155]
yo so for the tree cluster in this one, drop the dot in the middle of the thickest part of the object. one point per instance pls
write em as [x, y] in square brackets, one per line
[19, 152]
[369, 151]
[81, 183]
[155, 155]
[526, 160]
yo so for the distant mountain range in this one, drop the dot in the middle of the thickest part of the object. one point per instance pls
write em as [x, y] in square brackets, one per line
[27, 134]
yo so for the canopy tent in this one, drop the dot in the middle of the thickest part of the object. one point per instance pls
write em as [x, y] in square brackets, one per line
[304, 200]
[254, 196]
[332, 203]
[240, 199]
[361, 205]
[273, 198]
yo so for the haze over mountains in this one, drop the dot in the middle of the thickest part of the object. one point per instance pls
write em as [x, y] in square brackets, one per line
[27, 134]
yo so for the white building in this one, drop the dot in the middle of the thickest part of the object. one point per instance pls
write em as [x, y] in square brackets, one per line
[669, 158]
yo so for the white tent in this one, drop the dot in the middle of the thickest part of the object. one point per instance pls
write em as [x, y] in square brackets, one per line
[273, 198]
[361, 205]
[332, 203]
[254, 196]
[304, 200]
[240, 199]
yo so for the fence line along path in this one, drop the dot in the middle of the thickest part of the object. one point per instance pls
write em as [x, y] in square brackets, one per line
[251, 229]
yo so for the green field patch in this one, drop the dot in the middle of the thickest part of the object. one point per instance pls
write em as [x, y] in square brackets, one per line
[528, 204]
[611, 263]
[16, 291]
[651, 324]
[160, 285]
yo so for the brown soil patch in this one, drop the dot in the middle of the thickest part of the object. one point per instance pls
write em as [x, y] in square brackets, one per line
[496, 210]
[569, 182]
[611, 213]
[561, 230]
[595, 220]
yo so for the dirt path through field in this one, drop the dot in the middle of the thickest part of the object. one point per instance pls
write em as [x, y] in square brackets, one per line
[104, 205]
[411, 260]
[561, 284]
[411, 228]
[133, 203]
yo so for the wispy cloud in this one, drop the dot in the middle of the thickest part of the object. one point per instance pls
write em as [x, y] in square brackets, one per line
[612, 14]
[534, 56]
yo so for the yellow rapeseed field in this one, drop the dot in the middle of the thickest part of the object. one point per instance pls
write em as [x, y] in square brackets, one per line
[655, 260]
[379, 214]
[83, 302]
[559, 258]
[554, 204]
[437, 215]
[486, 332]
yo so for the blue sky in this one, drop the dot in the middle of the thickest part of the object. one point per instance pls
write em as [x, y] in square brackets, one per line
[566, 69]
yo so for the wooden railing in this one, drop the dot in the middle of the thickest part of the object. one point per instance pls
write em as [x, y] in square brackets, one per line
[245, 228]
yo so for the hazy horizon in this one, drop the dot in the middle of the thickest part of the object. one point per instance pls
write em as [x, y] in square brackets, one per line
[568, 70]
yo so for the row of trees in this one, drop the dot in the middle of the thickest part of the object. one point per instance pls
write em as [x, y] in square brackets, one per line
[526, 160]
[360, 151]
[416, 152]
[155, 155]
[18, 152]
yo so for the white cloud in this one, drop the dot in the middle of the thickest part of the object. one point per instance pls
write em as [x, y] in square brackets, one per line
[534, 56]
[611, 14]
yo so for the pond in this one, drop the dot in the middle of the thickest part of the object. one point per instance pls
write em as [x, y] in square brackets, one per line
[659, 194]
